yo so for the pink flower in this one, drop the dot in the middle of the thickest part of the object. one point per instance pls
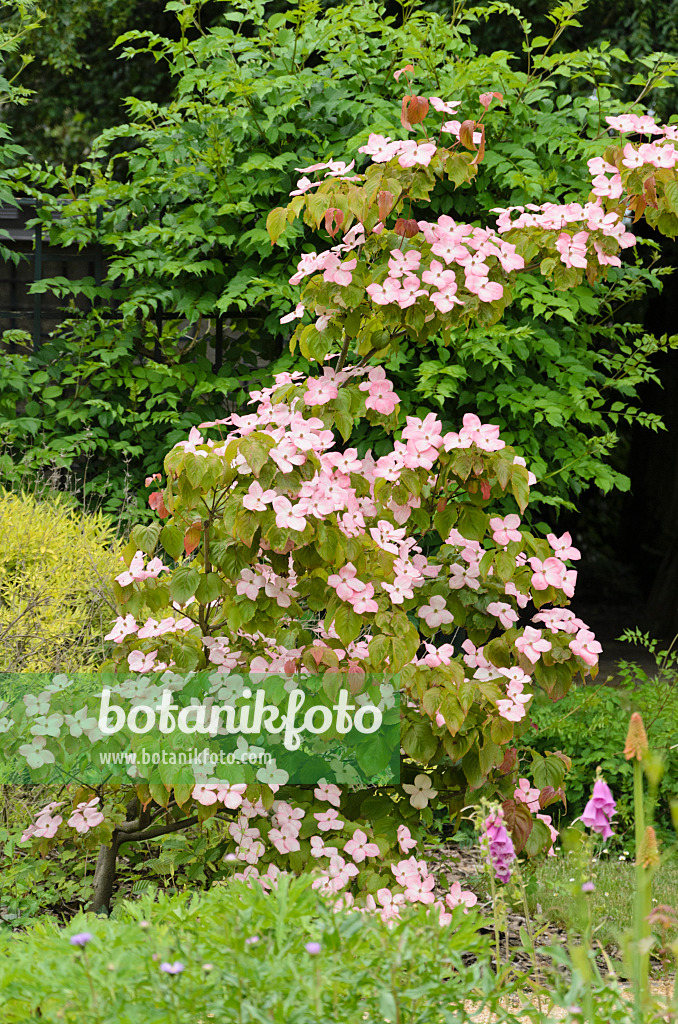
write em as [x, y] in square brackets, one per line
[380, 148]
[318, 848]
[122, 628]
[86, 816]
[526, 794]
[284, 839]
[443, 107]
[496, 843]
[286, 517]
[328, 820]
[403, 263]
[319, 391]
[547, 574]
[405, 840]
[600, 810]
[420, 889]
[563, 546]
[296, 314]
[504, 612]
[532, 645]
[435, 613]
[257, 498]
[400, 590]
[140, 662]
[458, 897]
[412, 153]
[487, 97]
[329, 792]
[359, 848]
[506, 529]
[586, 647]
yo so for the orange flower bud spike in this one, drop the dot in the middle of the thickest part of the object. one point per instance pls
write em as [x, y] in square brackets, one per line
[637, 745]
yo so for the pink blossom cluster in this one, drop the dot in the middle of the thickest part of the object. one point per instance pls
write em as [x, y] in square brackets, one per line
[418, 886]
[381, 396]
[462, 245]
[127, 626]
[409, 153]
[137, 571]
[600, 810]
[607, 180]
[590, 223]
[513, 707]
[46, 823]
[86, 816]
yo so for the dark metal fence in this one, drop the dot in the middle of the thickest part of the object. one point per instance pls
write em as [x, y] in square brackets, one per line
[39, 314]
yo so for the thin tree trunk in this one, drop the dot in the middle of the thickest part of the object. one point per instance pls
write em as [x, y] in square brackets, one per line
[104, 876]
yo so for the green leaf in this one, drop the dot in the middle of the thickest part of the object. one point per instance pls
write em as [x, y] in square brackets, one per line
[472, 522]
[418, 741]
[146, 537]
[276, 222]
[172, 540]
[347, 623]
[209, 588]
[184, 584]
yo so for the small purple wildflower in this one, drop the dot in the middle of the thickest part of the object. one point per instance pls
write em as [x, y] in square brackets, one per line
[313, 948]
[251, 940]
[497, 845]
[176, 968]
[81, 939]
[588, 887]
[600, 810]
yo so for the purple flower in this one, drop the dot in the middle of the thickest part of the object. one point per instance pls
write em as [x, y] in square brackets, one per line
[497, 845]
[81, 939]
[600, 810]
[251, 940]
[176, 968]
[313, 948]
[588, 887]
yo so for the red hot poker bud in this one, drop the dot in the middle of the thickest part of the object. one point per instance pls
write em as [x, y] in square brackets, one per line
[334, 218]
[636, 739]
[407, 228]
[648, 854]
[414, 110]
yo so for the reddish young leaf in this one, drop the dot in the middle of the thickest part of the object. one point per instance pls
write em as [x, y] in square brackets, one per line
[192, 537]
[334, 218]
[414, 110]
[466, 134]
[157, 503]
[406, 228]
[385, 204]
[518, 821]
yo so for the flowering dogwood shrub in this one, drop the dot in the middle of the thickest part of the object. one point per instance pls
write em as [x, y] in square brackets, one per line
[282, 550]
[396, 274]
[291, 554]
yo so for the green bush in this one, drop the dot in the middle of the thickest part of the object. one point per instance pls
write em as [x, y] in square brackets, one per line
[55, 598]
[591, 723]
[177, 197]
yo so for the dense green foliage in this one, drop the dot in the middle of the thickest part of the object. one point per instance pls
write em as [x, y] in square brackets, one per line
[240, 954]
[178, 197]
[591, 723]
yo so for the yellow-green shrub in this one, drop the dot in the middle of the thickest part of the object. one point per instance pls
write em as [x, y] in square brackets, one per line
[55, 597]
